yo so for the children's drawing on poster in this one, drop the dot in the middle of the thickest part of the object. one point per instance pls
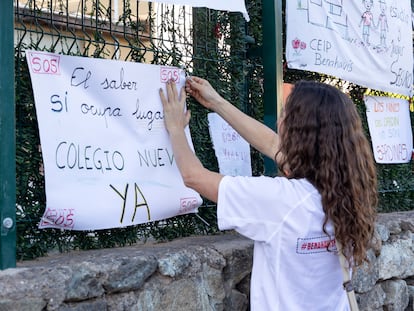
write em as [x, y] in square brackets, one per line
[390, 128]
[366, 22]
[367, 42]
[232, 150]
[107, 157]
[382, 24]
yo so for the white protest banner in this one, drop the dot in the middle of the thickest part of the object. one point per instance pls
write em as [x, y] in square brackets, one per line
[232, 6]
[367, 42]
[390, 128]
[107, 157]
[232, 151]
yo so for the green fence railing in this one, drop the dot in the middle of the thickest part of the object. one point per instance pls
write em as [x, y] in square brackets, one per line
[205, 42]
[7, 140]
[220, 46]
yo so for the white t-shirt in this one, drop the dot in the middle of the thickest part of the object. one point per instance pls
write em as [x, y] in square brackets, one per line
[292, 269]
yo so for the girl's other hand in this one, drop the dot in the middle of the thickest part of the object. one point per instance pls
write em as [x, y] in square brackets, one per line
[176, 117]
[203, 92]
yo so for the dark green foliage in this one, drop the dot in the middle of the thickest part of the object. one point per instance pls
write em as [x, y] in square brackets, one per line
[219, 46]
[218, 53]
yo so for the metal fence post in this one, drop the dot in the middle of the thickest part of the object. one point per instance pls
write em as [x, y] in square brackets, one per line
[272, 67]
[7, 139]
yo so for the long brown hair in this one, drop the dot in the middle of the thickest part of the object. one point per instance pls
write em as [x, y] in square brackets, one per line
[322, 140]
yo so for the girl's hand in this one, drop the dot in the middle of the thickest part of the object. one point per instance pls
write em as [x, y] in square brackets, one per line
[203, 92]
[176, 117]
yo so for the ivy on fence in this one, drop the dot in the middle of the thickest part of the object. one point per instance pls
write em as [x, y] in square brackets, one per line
[219, 46]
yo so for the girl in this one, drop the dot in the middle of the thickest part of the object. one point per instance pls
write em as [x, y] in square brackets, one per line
[328, 193]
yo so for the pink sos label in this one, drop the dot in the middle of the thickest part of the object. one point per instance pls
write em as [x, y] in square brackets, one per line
[187, 204]
[44, 63]
[169, 74]
[58, 218]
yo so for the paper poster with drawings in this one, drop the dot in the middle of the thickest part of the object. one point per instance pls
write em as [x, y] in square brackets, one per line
[232, 6]
[367, 42]
[232, 151]
[107, 157]
[390, 128]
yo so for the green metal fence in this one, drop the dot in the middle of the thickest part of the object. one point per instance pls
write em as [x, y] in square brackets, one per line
[7, 140]
[219, 46]
[207, 43]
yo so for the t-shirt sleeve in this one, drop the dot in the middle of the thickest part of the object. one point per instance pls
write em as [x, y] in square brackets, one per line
[253, 206]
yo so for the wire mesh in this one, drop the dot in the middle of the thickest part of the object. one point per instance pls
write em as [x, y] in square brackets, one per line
[204, 42]
[217, 45]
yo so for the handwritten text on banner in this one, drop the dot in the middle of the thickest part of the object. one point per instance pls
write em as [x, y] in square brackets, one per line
[107, 157]
[365, 42]
[232, 150]
[390, 128]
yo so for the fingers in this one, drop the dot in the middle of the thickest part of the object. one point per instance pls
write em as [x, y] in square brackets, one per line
[182, 94]
[162, 96]
[172, 98]
[188, 89]
[172, 93]
[193, 82]
[193, 85]
[196, 79]
[188, 85]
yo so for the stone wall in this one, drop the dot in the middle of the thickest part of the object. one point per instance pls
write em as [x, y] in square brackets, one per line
[197, 273]
[387, 283]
